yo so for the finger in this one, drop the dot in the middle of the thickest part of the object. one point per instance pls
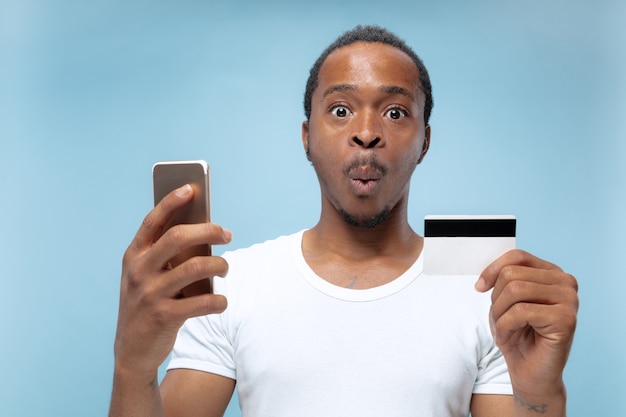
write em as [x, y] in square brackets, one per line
[489, 276]
[554, 322]
[204, 304]
[179, 310]
[184, 236]
[192, 270]
[512, 276]
[154, 222]
[516, 292]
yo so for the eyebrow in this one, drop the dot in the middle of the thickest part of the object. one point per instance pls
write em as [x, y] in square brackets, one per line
[391, 89]
[338, 87]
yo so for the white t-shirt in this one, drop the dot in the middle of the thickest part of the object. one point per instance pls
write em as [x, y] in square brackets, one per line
[300, 346]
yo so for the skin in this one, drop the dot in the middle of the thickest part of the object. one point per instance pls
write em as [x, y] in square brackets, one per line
[151, 313]
[376, 87]
[365, 136]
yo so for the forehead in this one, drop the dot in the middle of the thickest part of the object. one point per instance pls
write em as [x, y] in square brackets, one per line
[369, 63]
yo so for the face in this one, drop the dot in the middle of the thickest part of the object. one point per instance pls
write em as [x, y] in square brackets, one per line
[366, 132]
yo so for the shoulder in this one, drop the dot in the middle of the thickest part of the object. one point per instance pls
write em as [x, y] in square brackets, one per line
[261, 262]
[279, 246]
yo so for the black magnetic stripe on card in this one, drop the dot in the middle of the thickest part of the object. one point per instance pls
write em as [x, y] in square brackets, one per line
[469, 227]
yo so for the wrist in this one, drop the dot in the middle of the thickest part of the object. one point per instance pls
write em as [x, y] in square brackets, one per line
[548, 402]
[135, 392]
[123, 372]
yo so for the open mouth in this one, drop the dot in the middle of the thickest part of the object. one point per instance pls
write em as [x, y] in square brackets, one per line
[364, 186]
[365, 176]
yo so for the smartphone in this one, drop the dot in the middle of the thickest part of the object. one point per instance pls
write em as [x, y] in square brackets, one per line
[170, 175]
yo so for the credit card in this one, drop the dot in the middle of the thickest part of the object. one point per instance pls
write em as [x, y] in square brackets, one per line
[465, 244]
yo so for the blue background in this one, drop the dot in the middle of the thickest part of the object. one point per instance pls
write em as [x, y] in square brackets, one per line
[528, 119]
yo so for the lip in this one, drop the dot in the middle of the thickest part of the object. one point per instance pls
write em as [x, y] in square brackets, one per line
[365, 179]
[365, 173]
[364, 187]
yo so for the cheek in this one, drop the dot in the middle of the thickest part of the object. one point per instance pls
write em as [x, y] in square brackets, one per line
[327, 163]
[324, 162]
[323, 151]
[405, 165]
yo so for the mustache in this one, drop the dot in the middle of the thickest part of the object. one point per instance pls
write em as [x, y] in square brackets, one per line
[369, 161]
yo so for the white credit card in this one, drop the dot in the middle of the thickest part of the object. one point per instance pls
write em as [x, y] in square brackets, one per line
[465, 245]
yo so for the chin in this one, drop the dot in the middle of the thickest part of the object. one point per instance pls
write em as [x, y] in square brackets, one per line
[365, 222]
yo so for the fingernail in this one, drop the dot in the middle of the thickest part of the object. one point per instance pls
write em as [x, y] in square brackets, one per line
[481, 284]
[184, 190]
[228, 235]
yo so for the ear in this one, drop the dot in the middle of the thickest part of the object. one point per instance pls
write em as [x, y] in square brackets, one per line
[305, 138]
[426, 144]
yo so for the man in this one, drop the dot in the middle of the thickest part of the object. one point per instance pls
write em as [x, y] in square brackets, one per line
[338, 320]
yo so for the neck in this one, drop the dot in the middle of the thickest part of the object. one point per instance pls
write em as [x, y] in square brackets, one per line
[334, 235]
[360, 258]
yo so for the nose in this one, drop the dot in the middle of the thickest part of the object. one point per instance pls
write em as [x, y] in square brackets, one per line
[366, 144]
[368, 132]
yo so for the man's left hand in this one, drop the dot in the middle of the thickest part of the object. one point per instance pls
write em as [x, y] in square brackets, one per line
[533, 319]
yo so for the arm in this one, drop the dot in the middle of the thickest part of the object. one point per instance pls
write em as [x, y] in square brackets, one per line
[191, 393]
[151, 312]
[487, 405]
[484, 405]
[533, 319]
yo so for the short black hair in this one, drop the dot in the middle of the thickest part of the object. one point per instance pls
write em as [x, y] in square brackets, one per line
[370, 33]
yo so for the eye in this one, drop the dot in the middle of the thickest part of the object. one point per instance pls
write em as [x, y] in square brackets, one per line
[340, 111]
[396, 113]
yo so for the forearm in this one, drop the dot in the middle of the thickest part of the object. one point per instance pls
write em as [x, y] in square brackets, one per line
[545, 405]
[135, 395]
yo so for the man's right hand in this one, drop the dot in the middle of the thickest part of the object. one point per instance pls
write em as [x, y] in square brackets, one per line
[151, 310]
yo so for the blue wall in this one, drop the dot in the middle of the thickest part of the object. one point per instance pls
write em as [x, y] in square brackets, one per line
[529, 119]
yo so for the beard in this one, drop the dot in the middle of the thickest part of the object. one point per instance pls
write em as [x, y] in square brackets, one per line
[365, 223]
[379, 218]
[359, 222]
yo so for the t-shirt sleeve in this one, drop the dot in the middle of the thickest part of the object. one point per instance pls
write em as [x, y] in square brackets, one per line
[493, 375]
[202, 344]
